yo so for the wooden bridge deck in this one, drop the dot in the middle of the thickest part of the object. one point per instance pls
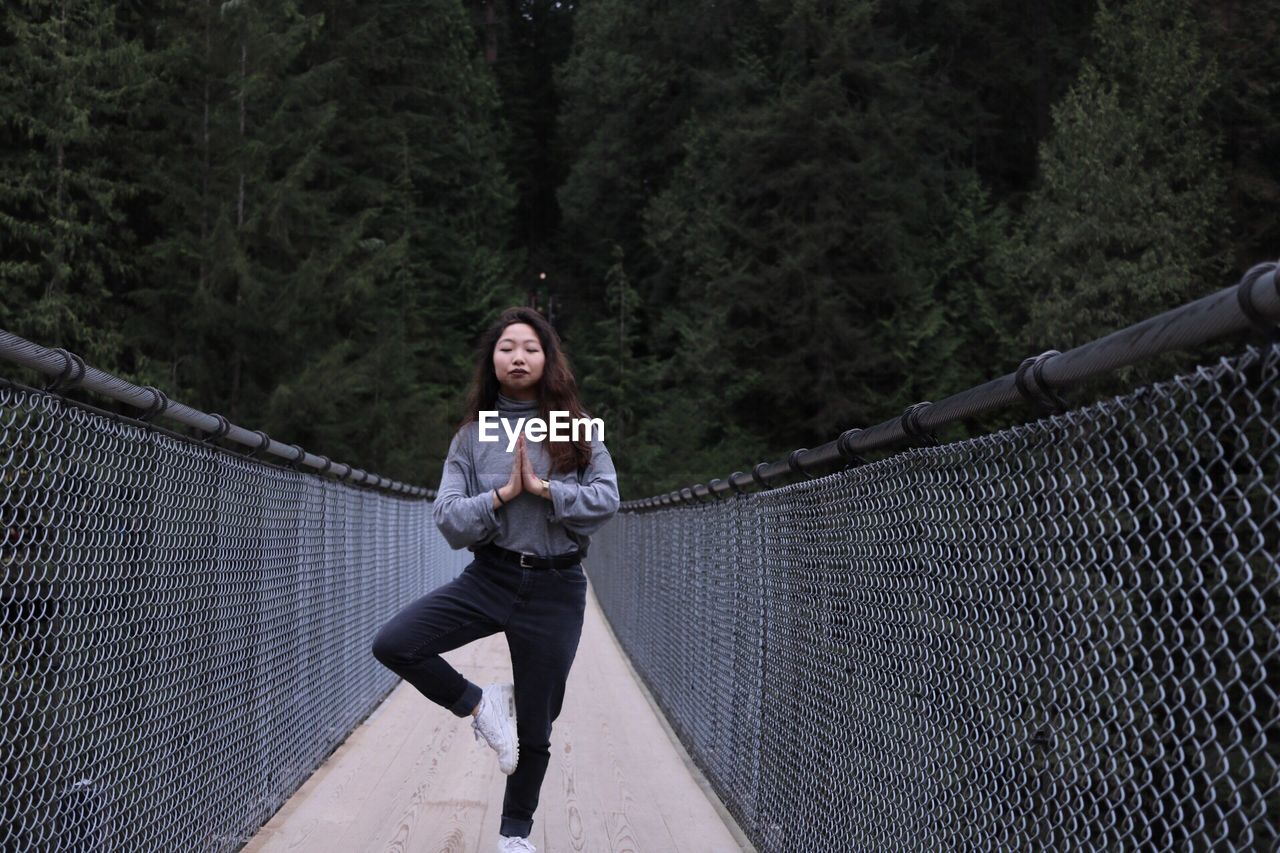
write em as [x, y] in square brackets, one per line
[412, 777]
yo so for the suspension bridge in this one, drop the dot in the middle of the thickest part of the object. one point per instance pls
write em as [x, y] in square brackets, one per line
[1063, 634]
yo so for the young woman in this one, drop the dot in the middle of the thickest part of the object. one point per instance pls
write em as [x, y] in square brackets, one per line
[528, 515]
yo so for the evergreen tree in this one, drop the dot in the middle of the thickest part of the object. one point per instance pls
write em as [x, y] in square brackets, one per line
[1003, 64]
[1128, 220]
[334, 221]
[779, 219]
[706, 426]
[241, 232]
[1242, 35]
[69, 81]
[618, 383]
[528, 39]
[418, 153]
[982, 310]
[805, 215]
[633, 76]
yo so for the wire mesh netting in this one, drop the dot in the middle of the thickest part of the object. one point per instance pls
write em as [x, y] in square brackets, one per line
[184, 632]
[1059, 636]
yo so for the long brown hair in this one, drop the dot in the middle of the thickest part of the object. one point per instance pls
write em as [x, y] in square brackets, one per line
[557, 390]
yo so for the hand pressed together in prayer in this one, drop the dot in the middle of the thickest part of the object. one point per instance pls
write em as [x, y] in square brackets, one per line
[523, 478]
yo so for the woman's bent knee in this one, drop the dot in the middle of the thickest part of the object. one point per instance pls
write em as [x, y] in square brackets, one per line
[386, 649]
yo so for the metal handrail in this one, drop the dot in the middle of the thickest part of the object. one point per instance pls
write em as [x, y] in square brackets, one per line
[70, 371]
[1252, 303]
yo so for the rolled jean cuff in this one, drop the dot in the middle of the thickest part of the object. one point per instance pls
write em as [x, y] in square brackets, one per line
[511, 827]
[467, 702]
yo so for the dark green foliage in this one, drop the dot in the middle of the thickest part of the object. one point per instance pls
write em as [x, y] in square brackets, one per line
[529, 39]
[763, 222]
[415, 160]
[1003, 64]
[70, 78]
[636, 72]
[796, 279]
[329, 222]
[1128, 220]
[618, 379]
[1242, 35]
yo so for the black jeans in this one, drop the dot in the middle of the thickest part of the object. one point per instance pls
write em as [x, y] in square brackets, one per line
[540, 611]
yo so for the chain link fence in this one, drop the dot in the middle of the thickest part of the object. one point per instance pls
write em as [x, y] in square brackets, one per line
[1061, 636]
[184, 632]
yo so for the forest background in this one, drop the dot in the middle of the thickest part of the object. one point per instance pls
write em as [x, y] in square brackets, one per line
[755, 223]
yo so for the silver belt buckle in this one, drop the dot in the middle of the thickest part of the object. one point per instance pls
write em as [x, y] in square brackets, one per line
[523, 564]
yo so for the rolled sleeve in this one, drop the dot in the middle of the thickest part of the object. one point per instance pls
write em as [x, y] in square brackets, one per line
[463, 519]
[584, 507]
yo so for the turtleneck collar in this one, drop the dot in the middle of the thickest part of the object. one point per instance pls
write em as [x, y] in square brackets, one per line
[506, 404]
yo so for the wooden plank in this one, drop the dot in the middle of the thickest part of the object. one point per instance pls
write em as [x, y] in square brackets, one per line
[650, 830]
[413, 779]
[570, 812]
[634, 763]
[438, 780]
[325, 803]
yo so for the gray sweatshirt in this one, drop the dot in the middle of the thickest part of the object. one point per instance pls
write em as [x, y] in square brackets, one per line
[581, 502]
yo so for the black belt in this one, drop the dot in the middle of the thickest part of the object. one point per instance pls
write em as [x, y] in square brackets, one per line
[528, 561]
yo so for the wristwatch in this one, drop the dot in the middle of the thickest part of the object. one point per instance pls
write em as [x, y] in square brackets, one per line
[546, 488]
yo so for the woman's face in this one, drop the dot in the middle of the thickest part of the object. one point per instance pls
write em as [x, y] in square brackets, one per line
[518, 360]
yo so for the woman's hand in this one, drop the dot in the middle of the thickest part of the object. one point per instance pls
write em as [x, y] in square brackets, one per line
[515, 483]
[532, 482]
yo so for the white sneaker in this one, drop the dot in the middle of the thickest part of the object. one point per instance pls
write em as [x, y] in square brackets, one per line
[515, 844]
[496, 723]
